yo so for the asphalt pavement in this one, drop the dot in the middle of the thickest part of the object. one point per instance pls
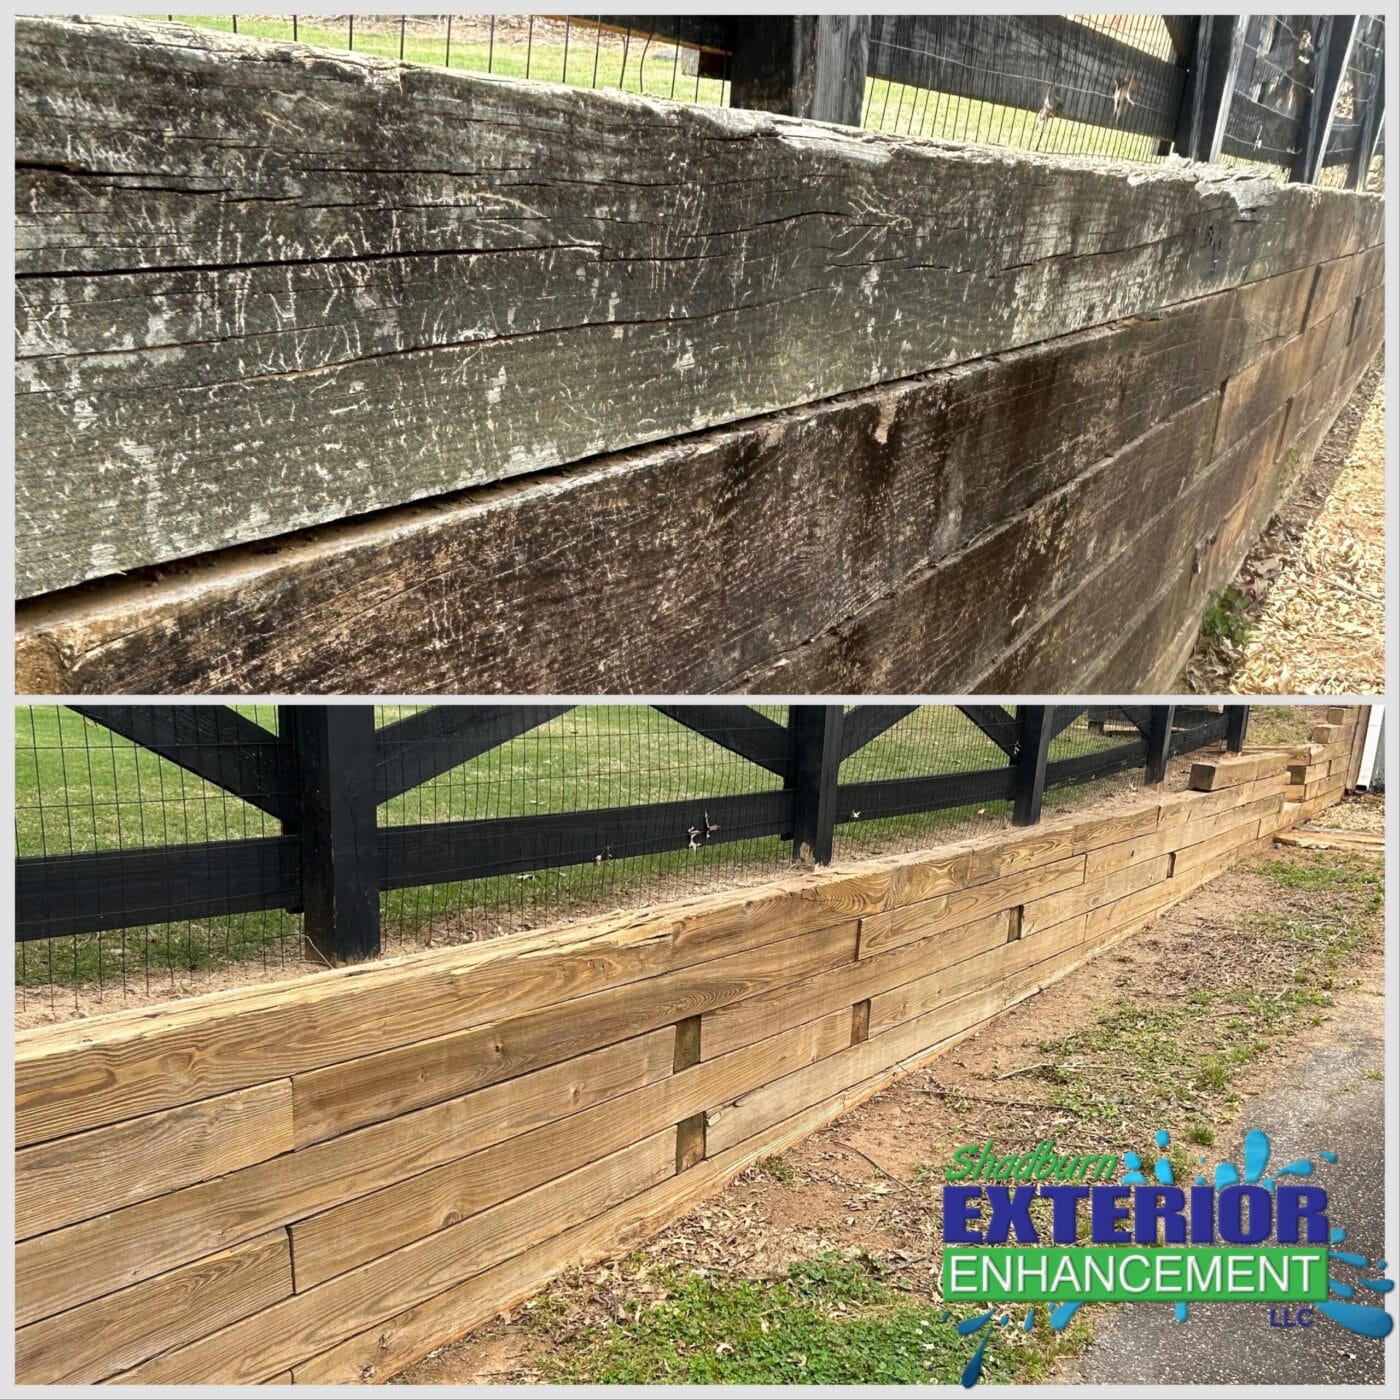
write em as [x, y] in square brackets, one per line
[1324, 1100]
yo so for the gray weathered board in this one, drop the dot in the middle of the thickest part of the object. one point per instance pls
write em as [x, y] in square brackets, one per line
[263, 287]
[930, 533]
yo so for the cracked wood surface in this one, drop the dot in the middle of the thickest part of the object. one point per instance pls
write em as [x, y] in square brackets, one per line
[229, 330]
[862, 537]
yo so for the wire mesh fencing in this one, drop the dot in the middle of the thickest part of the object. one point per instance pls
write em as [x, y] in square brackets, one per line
[165, 849]
[1106, 86]
[929, 740]
[1099, 86]
[587, 765]
[623, 53]
[87, 792]
[1360, 90]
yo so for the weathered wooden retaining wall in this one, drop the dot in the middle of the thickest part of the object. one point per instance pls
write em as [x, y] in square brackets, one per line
[323, 1179]
[691, 399]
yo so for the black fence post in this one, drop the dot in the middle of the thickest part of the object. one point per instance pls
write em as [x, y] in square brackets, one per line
[801, 65]
[816, 767]
[1236, 723]
[1159, 742]
[1034, 730]
[334, 747]
[1329, 68]
[1210, 85]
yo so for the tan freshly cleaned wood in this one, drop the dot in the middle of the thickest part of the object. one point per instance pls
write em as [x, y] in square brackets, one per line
[280, 1336]
[911, 921]
[978, 861]
[87, 1174]
[380, 1350]
[746, 1021]
[1108, 831]
[1231, 771]
[1369, 842]
[68, 1266]
[58, 1269]
[208, 1045]
[98, 1339]
[880, 1056]
[1239, 832]
[360, 1230]
[989, 969]
[1102, 889]
[1218, 815]
[331, 1101]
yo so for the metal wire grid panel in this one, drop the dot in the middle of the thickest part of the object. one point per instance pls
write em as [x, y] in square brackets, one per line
[81, 790]
[1093, 85]
[1361, 86]
[1273, 87]
[932, 739]
[583, 764]
[627, 54]
[527, 815]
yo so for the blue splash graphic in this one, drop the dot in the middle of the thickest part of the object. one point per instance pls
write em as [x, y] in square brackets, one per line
[969, 1325]
[1256, 1154]
[972, 1372]
[1358, 1318]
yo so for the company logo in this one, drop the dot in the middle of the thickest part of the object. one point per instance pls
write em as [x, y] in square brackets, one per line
[1064, 1228]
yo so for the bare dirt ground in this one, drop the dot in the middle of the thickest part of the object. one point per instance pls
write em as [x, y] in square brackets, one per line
[1311, 593]
[1178, 1027]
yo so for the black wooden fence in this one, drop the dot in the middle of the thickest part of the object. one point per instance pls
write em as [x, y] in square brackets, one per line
[1299, 94]
[323, 777]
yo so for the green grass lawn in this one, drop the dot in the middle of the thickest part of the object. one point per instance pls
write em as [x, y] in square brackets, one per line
[79, 787]
[582, 57]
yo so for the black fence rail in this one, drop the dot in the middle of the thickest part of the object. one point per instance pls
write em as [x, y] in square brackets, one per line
[1301, 95]
[317, 811]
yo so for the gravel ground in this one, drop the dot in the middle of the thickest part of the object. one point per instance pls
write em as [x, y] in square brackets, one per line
[1316, 580]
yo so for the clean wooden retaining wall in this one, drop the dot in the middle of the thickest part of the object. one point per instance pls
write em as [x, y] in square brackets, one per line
[322, 1180]
[693, 399]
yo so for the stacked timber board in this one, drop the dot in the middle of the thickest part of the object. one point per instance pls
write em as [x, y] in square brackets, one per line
[1327, 765]
[323, 1179]
[930, 374]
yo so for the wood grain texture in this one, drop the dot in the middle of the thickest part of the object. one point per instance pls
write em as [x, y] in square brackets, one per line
[90, 1173]
[281, 1335]
[95, 1341]
[221, 341]
[498, 592]
[948, 911]
[357, 1231]
[227, 1040]
[335, 1099]
[748, 1021]
[371, 1245]
[65, 1267]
